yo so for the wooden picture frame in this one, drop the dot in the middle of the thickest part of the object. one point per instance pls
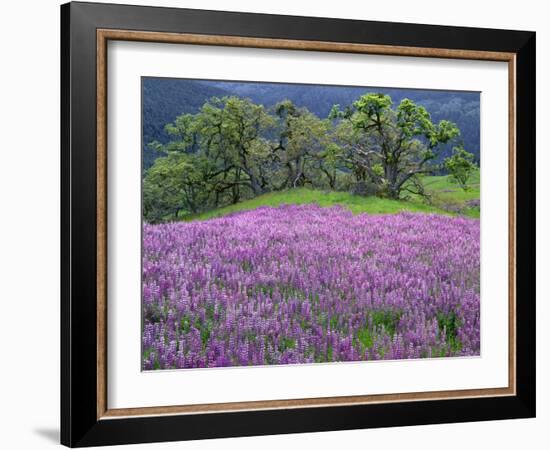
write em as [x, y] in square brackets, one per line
[86, 418]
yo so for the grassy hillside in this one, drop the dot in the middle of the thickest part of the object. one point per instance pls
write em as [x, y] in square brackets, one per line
[447, 198]
[356, 204]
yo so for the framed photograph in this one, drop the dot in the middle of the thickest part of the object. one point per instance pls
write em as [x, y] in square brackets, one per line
[276, 224]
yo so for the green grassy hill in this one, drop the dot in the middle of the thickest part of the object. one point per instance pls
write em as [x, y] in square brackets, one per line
[444, 185]
[356, 204]
[447, 198]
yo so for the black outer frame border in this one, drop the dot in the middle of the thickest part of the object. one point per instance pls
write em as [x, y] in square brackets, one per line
[79, 425]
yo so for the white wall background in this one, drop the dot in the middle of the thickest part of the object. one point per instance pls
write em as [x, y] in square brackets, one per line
[29, 237]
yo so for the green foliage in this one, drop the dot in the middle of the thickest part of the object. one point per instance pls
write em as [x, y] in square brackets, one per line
[387, 319]
[185, 325]
[364, 336]
[216, 156]
[378, 170]
[329, 353]
[303, 154]
[450, 323]
[174, 183]
[286, 343]
[164, 99]
[232, 151]
[460, 166]
[414, 120]
[205, 331]
[231, 134]
[390, 146]
[370, 111]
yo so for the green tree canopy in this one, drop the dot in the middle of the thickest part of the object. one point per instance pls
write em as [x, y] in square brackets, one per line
[460, 166]
[402, 141]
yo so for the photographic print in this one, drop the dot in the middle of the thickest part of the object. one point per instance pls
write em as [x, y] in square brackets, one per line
[298, 224]
[268, 203]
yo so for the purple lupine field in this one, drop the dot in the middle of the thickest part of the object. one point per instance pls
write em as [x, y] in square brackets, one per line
[305, 284]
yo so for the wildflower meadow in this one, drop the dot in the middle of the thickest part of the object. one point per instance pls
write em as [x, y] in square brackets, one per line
[305, 284]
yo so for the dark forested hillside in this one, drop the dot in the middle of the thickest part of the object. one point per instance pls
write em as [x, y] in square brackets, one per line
[164, 99]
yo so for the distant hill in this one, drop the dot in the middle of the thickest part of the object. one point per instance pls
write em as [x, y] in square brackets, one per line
[164, 99]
